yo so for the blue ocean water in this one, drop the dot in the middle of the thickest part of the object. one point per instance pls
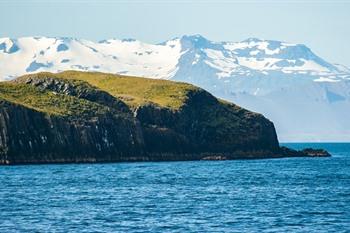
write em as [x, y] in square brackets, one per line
[271, 195]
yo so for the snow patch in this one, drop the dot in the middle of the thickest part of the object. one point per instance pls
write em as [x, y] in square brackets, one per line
[326, 79]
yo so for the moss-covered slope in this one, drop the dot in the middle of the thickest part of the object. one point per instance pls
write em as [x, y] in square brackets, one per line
[134, 91]
[48, 102]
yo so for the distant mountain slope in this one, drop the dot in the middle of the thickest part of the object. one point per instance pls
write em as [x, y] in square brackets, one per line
[267, 76]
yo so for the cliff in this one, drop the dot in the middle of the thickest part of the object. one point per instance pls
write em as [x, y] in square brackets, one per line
[96, 117]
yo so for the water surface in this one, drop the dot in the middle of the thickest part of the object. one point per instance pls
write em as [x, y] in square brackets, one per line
[271, 195]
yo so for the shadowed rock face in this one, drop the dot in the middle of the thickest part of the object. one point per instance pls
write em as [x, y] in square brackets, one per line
[202, 128]
[204, 124]
[28, 136]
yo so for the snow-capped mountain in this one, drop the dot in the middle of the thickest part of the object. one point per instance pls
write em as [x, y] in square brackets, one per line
[307, 97]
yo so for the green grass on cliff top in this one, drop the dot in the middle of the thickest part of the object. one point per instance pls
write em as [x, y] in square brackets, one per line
[134, 91]
[48, 102]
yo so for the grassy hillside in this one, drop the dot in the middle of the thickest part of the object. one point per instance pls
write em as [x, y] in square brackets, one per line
[90, 122]
[132, 90]
[48, 102]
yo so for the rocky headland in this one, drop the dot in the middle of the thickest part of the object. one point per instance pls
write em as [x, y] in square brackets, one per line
[73, 117]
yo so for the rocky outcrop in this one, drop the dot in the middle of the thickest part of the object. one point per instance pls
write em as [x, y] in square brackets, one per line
[308, 152]
[28, 136]
[206, 125]
[203, 128]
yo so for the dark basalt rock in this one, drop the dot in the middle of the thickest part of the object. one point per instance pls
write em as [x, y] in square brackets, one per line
[204, 128]
[316, 152]
[28, 136]
[204, 124]
[308, 152]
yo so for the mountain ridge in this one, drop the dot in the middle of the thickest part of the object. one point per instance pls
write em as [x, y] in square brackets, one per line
[253, 48]
[246, 72]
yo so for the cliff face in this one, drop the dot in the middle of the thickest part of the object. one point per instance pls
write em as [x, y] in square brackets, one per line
[205, 125]
[47, 118]
[28, 136]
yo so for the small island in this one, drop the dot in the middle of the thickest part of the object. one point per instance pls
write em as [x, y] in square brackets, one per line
[77, 117]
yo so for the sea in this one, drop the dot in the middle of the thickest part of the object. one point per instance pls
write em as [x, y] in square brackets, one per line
[268, 195]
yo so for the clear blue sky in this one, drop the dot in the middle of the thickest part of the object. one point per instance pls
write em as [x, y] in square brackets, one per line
[322, 25]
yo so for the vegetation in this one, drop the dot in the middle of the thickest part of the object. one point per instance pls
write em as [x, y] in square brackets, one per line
[92, 124]
[48, 102]
[132, 90]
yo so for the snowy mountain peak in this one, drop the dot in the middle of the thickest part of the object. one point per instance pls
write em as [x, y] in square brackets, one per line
[194, 38]
[180, 58]
[129, 40]
[276, 78]
[276, 55]
[198, 42]
[252, 40]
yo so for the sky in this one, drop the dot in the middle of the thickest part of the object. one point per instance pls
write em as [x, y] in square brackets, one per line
[324, 26]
